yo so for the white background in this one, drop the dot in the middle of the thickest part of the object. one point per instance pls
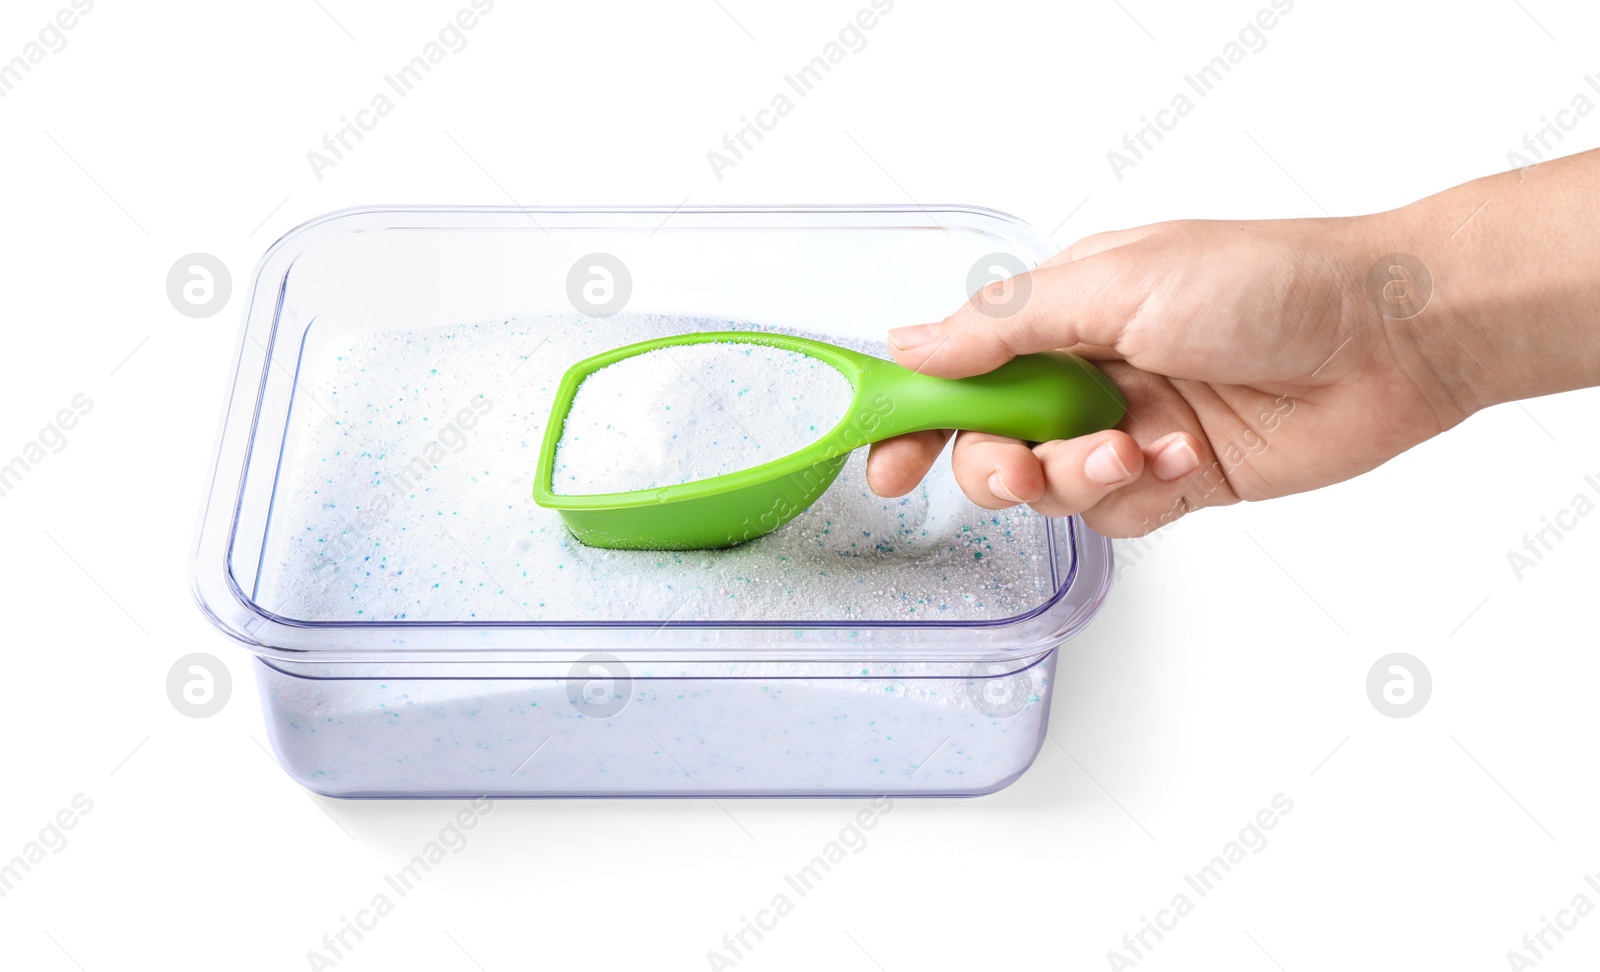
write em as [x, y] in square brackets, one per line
[1227, 667]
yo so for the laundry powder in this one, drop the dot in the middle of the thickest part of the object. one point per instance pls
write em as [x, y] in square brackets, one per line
[405, 493]
[693, 411]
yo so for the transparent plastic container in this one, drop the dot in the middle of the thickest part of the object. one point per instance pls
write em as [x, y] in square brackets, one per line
[421, 629]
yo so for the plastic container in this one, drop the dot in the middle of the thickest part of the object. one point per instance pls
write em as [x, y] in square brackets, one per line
[422, 629]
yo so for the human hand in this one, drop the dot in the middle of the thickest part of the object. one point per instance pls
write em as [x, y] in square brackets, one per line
[1255, 359]
[1266, 358]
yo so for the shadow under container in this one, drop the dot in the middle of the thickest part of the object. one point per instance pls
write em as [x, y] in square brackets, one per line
[623, 699]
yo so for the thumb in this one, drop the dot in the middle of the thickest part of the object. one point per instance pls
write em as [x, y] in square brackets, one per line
[1082, 302]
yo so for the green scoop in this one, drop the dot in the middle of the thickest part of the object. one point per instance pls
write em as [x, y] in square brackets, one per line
[1035, 397]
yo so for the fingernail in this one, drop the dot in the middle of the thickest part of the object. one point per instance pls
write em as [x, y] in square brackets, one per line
[1175, 461]
[915, 336]
[1105, 467]
[998, 487]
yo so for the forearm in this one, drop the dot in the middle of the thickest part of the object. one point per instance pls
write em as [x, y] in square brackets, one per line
[1514, 259]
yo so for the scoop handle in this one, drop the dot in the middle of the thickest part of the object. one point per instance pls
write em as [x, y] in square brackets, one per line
[1035, 397]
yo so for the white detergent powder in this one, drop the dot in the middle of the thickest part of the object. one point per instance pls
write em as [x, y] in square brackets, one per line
[694, 411]
[404, 492]
[684, 737]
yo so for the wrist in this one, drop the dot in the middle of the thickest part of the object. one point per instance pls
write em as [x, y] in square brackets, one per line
[1513, 281]
[1400, 279]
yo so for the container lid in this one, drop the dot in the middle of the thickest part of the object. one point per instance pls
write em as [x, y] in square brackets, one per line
[371, 500]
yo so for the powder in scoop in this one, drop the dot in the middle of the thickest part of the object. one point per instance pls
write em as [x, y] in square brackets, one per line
[693, 411]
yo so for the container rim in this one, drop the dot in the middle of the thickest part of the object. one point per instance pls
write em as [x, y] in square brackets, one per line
[219, 596]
